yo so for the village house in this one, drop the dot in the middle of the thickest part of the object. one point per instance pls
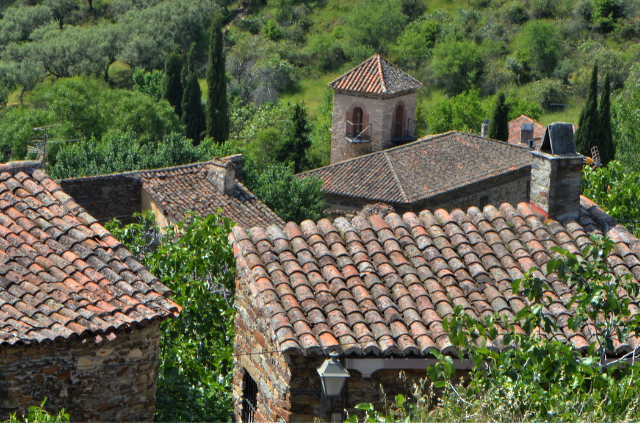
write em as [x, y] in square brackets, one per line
[203, 188]
[526, 132]
[373, 291]
[79, 315]
[375, 157]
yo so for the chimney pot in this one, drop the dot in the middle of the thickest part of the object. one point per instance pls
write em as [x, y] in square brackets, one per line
[222, 176]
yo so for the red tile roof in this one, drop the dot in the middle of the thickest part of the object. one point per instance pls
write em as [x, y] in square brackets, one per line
[419, 170]
[183, 188]
[514, 131]
[383, 286]
[63, 275]
[376, 75]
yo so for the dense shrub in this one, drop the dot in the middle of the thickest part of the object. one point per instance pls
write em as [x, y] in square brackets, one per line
[457, 65]
[539, 47]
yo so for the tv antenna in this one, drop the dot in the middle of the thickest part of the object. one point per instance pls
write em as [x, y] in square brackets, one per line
[41, 149]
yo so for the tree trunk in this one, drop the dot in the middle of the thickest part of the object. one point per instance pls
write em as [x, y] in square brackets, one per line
[22, 97]
[90, 6]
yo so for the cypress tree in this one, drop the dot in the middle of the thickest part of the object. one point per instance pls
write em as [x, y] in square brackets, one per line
[605, 145]
[294, 148]
[172, 89]
[499, 123]
[217, 108]
[588, 132]
[192, 112]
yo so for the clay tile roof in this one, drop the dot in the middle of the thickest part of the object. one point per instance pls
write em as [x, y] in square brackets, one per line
[514, 131]
[422, 169]
[383, 286]
[63, 275]
[376, 75]
[186, 188]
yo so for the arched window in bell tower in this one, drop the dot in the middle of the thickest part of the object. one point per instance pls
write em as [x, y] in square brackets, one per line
[398, 122]
[357, 121]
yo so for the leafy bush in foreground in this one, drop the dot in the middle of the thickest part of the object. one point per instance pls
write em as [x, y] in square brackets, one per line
[196, 262]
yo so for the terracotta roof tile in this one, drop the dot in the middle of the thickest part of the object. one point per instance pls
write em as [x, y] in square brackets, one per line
[397, 175]
[47, 292]
[376, 75]
[419, 269]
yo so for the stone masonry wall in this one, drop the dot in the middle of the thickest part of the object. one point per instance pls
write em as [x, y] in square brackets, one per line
[254, 354]
[380, 113]
[90, 380]
[556, 183]
[107, 197]
[510, 188]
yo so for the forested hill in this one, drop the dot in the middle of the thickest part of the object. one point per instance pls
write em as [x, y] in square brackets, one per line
[539, 52]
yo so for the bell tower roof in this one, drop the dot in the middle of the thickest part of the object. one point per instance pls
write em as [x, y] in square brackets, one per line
[376, 75]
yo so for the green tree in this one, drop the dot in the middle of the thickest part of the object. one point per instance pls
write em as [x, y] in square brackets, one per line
[194, 259]
[499, 123]
[460, 113]
[217, 107]
[414, 46]
[149, 83]
[193, 116]
[606, 147]
[625, 121]
[172, 89]
[617, 191]
[60, 9]
[304, 197]
[293, 148]
[539, 47]
[588, 131]
[457, 65]
[18, 23]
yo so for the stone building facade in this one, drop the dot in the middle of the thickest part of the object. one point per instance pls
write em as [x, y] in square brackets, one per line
[94, 380]
[378, 120]
[79, 315]
[374, 108]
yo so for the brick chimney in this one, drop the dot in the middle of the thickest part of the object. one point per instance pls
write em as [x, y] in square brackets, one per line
[222, 176]
[526, 133]
[556, 173]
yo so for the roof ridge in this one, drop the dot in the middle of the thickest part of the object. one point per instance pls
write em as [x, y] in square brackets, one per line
[396, 178]
[384, 85]
[20, 166]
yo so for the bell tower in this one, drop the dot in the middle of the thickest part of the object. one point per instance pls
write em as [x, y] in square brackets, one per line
[374, 108]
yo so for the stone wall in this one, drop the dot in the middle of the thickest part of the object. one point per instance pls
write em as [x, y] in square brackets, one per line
[378, 112]
[254, 348]
[93, 381]
[556, 183]
[510, 188]
[107, 197]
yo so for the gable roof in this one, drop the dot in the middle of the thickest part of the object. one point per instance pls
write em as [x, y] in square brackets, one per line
[376, 75]
[421, 169]
[514, 131]
[383, 287]
[63, 275]
[177, 189]
[183, 188]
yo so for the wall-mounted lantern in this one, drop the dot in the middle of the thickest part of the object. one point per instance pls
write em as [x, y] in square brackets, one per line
[333, 377]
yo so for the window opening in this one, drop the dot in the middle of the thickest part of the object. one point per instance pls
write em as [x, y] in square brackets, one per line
[357, 121]
[249, 399]
[398, 121]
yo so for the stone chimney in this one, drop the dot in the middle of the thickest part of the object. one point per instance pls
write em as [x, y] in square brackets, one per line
[526, 133]
[556, 173]
[484, 131]
[222, 176]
